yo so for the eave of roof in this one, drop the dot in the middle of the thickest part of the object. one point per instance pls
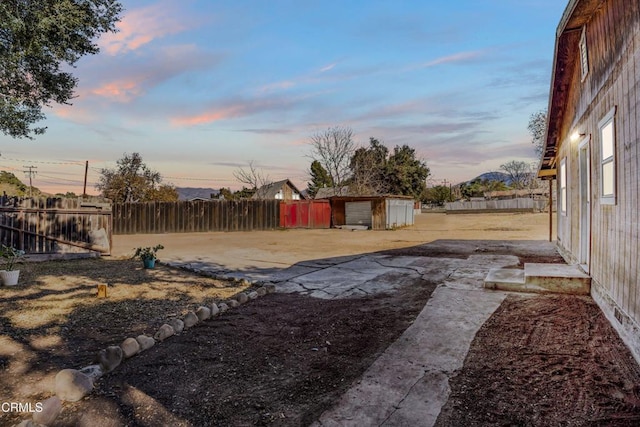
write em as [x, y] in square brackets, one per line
[576, 15]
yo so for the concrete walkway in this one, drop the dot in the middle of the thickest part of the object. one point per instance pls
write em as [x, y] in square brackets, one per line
[409, 383]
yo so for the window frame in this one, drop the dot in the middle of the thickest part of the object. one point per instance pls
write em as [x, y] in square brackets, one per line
[562, 188]
[608, 162]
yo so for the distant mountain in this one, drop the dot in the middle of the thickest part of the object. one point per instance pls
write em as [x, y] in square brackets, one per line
[189, 193]
[495, 176]
[492, 176]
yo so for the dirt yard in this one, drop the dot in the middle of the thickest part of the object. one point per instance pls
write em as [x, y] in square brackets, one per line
[266, 249]
[283, 359]
[545, 361]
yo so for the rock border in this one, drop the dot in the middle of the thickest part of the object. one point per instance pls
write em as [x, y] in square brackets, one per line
[72, 385]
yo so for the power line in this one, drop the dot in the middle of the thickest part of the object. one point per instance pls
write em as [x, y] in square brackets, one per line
[92, 170]
[75, 181]
[43, 162]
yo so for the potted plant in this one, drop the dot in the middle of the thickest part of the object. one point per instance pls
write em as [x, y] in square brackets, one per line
[9, 275]
[148, 255]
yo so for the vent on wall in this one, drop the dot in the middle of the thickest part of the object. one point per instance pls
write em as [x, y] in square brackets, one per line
[617, 314]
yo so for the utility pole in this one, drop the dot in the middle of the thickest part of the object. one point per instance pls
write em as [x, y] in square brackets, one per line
[31, 173]
[86, 170]
[444, 183]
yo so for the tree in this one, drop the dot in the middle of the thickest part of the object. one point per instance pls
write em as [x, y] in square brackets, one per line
[471, 189]
[253, 177]
[37, 38]
[368, 168]
[519, 173]
[67, 195]
[333, 149]
[438, 195]
[226, 193]
[478, 187]
[164, 193]
[244, 193]
[538, 129]
[133, 181]
[405, 174]
[319, 179]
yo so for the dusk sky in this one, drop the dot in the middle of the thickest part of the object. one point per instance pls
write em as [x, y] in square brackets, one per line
[200, 88]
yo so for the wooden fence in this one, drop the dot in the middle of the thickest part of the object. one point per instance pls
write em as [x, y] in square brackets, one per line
[41, 225]
[507, 205]
[195, 216]
[305, 214]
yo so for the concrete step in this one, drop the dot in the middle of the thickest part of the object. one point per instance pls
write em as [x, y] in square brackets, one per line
[560, 278]
[540, 278]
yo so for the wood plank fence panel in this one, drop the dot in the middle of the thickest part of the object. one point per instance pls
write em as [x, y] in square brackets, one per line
[55, 225]
[195, 216]
[305, 214]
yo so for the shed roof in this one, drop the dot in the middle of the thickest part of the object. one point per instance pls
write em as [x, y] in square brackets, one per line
[327, 192]
[576, 14]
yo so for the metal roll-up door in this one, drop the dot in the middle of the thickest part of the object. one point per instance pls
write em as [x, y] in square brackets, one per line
[358, 213]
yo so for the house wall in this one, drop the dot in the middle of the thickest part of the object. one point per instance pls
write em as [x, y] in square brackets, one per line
[613, 38]
[288, 192]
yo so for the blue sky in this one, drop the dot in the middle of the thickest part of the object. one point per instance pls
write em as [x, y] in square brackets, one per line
[200, 88]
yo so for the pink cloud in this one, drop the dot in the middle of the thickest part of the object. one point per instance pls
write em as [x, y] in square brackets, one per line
[236, 108]
[277, 86]
[119, 90]
[209, 116]
[139, 27]
[456, 57]
[123, 83]
[74, 113]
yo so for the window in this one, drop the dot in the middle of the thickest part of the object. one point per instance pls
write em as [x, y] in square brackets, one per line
[584, 57]
[563, 186]
[608, 159]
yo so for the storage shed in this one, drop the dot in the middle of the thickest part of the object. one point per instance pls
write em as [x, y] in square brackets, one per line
[374, 212]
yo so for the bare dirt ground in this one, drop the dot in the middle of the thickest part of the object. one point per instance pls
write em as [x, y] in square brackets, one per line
[545, 361]
[283, 359]
[282, 248]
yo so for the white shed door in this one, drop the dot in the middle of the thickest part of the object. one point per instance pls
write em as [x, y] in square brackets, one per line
[358, 213]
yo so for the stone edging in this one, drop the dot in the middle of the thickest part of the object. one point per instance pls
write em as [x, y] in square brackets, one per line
[71, 385]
